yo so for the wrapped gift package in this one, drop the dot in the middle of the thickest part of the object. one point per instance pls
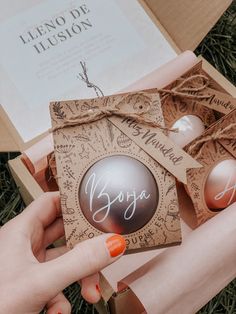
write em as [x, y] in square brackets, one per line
[135, 271]
[125, 284]
[212, 188]
[163, 280]
[37, 153]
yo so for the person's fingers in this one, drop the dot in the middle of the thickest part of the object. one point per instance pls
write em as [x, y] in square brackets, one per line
[59, 305]
[44, 210]
[54, 232]
[90, 289]
[86, 258]
[55, 252]
[30, 224]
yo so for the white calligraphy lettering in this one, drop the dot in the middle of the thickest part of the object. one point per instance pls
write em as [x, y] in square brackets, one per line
[96, 188]
[228, 187]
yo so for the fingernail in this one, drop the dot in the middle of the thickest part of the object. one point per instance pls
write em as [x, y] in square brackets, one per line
[98, 288]
[116, 245]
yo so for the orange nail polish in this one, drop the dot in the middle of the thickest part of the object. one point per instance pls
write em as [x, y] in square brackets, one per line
[98, 288]
[116, 245]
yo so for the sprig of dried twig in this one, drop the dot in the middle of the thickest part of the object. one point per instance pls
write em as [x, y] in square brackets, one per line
[84, 77]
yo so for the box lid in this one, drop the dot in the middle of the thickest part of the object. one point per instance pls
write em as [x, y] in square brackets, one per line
[187, 22]
[7, 142]
[10, 139]
[184, 23]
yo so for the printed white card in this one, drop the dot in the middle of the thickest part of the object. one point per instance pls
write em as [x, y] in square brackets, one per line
[44, 46]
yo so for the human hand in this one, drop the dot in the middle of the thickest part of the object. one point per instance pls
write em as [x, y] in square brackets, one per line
[33, 277]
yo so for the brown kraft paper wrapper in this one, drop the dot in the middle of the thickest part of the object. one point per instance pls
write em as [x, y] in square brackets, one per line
[82, 146]
[217, 144]
[176, 106]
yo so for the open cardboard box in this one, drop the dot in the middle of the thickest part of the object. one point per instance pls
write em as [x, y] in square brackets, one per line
[30, 189]
[184, 23]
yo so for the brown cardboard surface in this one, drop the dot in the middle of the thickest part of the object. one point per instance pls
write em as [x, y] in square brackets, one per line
[80, 144]
[12, 131]
[187, 22]
[184, 23]
[222, 82]
[10, 139]
[7, 142]
[152, 14]
[210, 151]
[184, 106]
[210, 96]
[125, 302]
[22, 175]
[29, 188]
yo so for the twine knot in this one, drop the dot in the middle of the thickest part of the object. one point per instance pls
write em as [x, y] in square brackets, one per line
[95, 114]
[188, 87]
[221, 134]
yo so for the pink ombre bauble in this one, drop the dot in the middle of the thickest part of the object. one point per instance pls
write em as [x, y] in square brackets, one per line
[220, 187]
[189, 127]
[118, 194]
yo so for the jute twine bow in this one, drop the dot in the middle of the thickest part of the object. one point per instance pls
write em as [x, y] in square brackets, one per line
[96, 114]
[187, 89]
[223, 134]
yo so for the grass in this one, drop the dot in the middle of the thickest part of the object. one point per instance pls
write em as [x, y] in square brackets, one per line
[219, 48]
[10, 200]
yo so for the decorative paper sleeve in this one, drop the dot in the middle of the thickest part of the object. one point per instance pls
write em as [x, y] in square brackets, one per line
[166, 74]
[184, 278]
